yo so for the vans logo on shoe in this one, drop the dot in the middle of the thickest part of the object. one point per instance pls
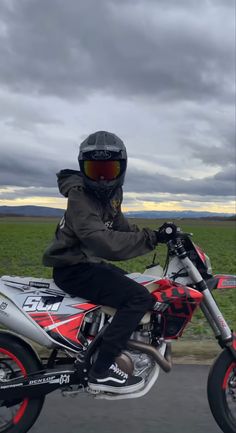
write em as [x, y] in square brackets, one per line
[111, 379]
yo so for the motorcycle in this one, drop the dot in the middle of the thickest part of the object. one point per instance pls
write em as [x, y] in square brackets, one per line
[71, 329]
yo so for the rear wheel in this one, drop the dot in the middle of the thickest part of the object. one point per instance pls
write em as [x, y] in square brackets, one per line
[222, 391]
[15, 360]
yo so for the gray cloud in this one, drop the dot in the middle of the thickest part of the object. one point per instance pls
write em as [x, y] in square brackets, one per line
[27, 170]
[15, 193]
[24, 174]
[215, 144]
[41, 172]
[74, 48]
[222, 184]
[24, 112]
[167, 197]
[158, 73]
[227, 175]
[214, 155]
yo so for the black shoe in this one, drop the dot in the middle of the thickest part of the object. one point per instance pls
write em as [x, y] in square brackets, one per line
[115, 380]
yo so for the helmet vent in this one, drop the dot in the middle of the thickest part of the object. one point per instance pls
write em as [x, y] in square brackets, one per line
[91, 140]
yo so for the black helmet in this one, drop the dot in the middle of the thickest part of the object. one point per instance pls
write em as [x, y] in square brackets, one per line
[103, 160]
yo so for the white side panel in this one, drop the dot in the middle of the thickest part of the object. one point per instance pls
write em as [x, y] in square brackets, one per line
[146, 280]
[175, 265]
[16, 320]
[155, 272]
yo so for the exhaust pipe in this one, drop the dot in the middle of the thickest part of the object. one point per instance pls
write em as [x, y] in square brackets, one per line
[165, 362]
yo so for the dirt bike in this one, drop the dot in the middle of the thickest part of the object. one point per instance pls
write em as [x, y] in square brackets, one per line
[72, 329]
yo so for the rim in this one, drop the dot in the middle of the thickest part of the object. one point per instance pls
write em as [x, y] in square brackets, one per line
[229, 387]
[10, 367]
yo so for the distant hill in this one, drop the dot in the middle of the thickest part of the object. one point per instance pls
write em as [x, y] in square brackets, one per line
[33, 211]
[177, 214]
[42, 211]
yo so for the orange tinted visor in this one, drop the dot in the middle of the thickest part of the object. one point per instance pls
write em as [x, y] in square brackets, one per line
[102, 170]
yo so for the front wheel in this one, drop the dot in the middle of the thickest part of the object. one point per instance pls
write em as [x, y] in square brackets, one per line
[221, 389]
[15, 360]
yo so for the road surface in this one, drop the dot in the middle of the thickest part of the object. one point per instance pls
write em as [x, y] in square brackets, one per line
[176, 404]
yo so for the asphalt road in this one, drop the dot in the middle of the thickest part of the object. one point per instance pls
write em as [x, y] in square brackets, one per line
[176, 404]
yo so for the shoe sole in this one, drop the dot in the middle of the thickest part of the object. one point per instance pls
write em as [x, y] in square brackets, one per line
[115, 389]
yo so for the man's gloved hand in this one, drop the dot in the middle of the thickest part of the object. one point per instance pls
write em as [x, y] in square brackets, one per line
[166, 232]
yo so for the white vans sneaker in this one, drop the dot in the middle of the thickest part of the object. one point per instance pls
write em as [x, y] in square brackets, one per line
[115, 380]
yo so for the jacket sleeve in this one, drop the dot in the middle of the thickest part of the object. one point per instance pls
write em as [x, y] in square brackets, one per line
[122, 224]
[84, 218]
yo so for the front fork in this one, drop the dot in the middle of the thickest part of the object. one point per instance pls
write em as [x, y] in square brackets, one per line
[210, 308]
[217, 322]
[215, 318]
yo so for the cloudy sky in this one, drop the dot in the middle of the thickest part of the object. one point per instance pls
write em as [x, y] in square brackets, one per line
[158, 73]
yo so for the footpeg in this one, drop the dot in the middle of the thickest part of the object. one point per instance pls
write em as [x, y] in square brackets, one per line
[93, 392]
[70, 392]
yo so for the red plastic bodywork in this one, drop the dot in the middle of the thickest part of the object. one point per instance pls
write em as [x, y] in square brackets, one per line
[225, 281]
[177, 305]
[200, 253]
[181, 302]
[64, 328]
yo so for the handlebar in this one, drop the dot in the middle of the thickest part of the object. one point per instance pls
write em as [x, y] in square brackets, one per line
[169, 231]
[178, 234]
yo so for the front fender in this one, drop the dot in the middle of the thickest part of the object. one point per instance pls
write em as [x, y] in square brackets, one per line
[222, 282]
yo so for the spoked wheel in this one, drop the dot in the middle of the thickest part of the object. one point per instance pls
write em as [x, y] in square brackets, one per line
[222, 392]
[17, 415]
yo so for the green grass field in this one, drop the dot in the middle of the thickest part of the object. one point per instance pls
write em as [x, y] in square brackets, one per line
[23, 240]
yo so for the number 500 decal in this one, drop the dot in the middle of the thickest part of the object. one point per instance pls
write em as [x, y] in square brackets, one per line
[38, 303]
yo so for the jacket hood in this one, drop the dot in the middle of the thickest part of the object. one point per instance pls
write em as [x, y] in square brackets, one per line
[68, 179]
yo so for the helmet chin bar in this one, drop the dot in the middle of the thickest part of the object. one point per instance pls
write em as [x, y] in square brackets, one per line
[103, 195]
[103, 189]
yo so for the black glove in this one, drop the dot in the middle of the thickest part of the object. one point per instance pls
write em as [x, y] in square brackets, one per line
[166, 232]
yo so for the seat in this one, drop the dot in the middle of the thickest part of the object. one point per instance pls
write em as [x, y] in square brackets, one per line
[111, 311]
[31, 282]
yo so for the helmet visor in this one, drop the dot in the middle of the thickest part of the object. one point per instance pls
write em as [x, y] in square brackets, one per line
[102, 170]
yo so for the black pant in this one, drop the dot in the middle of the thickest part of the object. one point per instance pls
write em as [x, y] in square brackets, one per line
[105, 284]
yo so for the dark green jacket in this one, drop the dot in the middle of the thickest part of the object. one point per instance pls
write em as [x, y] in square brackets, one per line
[91, 230]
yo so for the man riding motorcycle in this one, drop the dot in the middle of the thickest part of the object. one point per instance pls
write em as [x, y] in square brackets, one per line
[93, 230]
